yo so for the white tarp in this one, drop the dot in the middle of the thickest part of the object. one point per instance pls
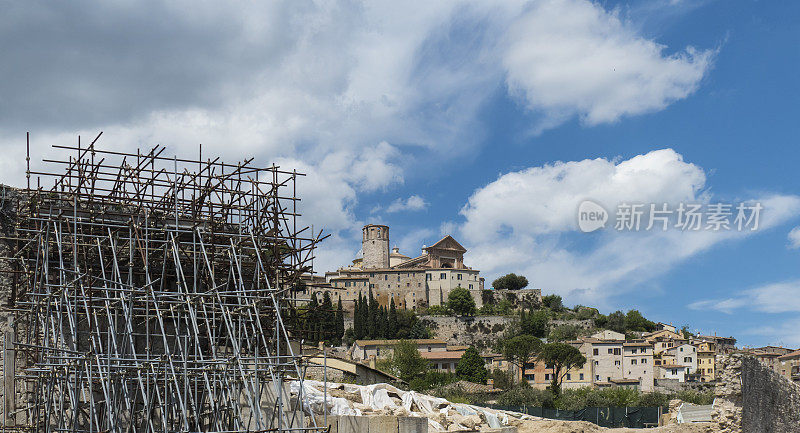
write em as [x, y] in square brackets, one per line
[382, 397]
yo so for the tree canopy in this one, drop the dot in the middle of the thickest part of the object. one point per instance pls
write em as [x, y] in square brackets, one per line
[510, 282]
[520, 349]
[471, 367]
[553, 302]
[407, 362]
[561, 357]
[534, 322]
[460, 302]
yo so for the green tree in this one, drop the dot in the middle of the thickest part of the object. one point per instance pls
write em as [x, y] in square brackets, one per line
[358, 324]
[312, 320]
[510, 282]
[471, 366]
[563, 333]
[561, 357]
[372, 317]
[460, 302]
[391, 321]
[553, 302]
[634, 321]
[520, 349]
[407, 362]
[327, 318]
[534, 323]
[616, 322]
[339, 320]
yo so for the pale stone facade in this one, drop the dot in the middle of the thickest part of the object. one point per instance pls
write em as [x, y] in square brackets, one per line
[422, 281]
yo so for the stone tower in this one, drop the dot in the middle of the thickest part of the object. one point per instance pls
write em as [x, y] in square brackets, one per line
[375, 246]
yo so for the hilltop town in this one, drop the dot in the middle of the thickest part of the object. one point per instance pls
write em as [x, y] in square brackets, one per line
[446, 311]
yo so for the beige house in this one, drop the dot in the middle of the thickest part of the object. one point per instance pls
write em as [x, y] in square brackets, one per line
[790, 366]
[605, 358]
[685, 355]
[608, 334]
[672, 371]
[366, 349]
[637, 363]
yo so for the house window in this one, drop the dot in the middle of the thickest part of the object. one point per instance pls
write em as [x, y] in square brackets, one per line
[408, 284]
[372, 275]
[470, 286]
[596, 362]
[644, 360]
[569, 376]
[398, 277]
[547, 376]
[442, 276]
[633, 362]
[616, 351]
[459, 277]
[610, 351]
[580, 376]
[616, 362]
[596, 377]
[385, 278]
[595, 352]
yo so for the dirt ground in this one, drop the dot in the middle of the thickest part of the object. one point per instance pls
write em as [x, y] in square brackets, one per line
[586, 427]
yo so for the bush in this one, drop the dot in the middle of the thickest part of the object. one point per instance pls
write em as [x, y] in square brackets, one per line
[438, 310]
[502, 379]
[654, 399]
[460, 302]
[695, 397]
[431, 379]
[524, 395]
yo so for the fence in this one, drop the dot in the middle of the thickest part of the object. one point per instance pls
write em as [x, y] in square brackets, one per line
[633, 417]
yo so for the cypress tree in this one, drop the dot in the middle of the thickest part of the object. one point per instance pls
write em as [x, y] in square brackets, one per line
[358, 324]
[391, 321]
[372, 319]
[328, 320]
[312, 318]
[339, 321]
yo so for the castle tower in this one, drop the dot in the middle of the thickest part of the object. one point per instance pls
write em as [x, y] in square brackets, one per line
[375, 246]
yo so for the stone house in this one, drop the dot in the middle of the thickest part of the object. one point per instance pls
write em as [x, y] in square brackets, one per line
[637, 363]
[672, 371]
[790, 366]
[366, 349]
[685, 354]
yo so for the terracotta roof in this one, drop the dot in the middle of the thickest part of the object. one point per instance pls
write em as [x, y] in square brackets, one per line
[442, 355]
[638, 344]
[672, 366]
[393, 342]
[795, 354]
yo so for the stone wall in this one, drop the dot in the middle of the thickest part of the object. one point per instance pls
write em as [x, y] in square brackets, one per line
[479, 331]
[751, 398]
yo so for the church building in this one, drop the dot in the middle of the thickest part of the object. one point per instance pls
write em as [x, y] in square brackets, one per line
[421, 281]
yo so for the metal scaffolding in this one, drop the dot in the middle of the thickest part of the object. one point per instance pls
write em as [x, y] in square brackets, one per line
[152, 294]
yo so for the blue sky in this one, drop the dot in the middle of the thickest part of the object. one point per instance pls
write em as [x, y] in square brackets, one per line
[490, 121]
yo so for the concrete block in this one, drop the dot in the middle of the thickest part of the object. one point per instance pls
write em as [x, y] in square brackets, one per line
[333, 422]
[353, 424]
[382, 424]
[410, 424]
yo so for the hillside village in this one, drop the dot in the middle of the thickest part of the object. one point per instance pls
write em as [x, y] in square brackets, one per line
[439, 306]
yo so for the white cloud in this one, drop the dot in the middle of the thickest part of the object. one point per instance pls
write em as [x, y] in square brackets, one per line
[771, 298]
[794, 238]
[411, 244]
[782, 333]
[525, 222]
[413, 203]
[572, 57]
[332, 88]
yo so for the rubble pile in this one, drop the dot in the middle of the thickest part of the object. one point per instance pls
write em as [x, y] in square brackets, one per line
[385, 399]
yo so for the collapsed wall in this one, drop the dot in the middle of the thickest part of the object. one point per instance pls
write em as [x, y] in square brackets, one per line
[752, 398]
